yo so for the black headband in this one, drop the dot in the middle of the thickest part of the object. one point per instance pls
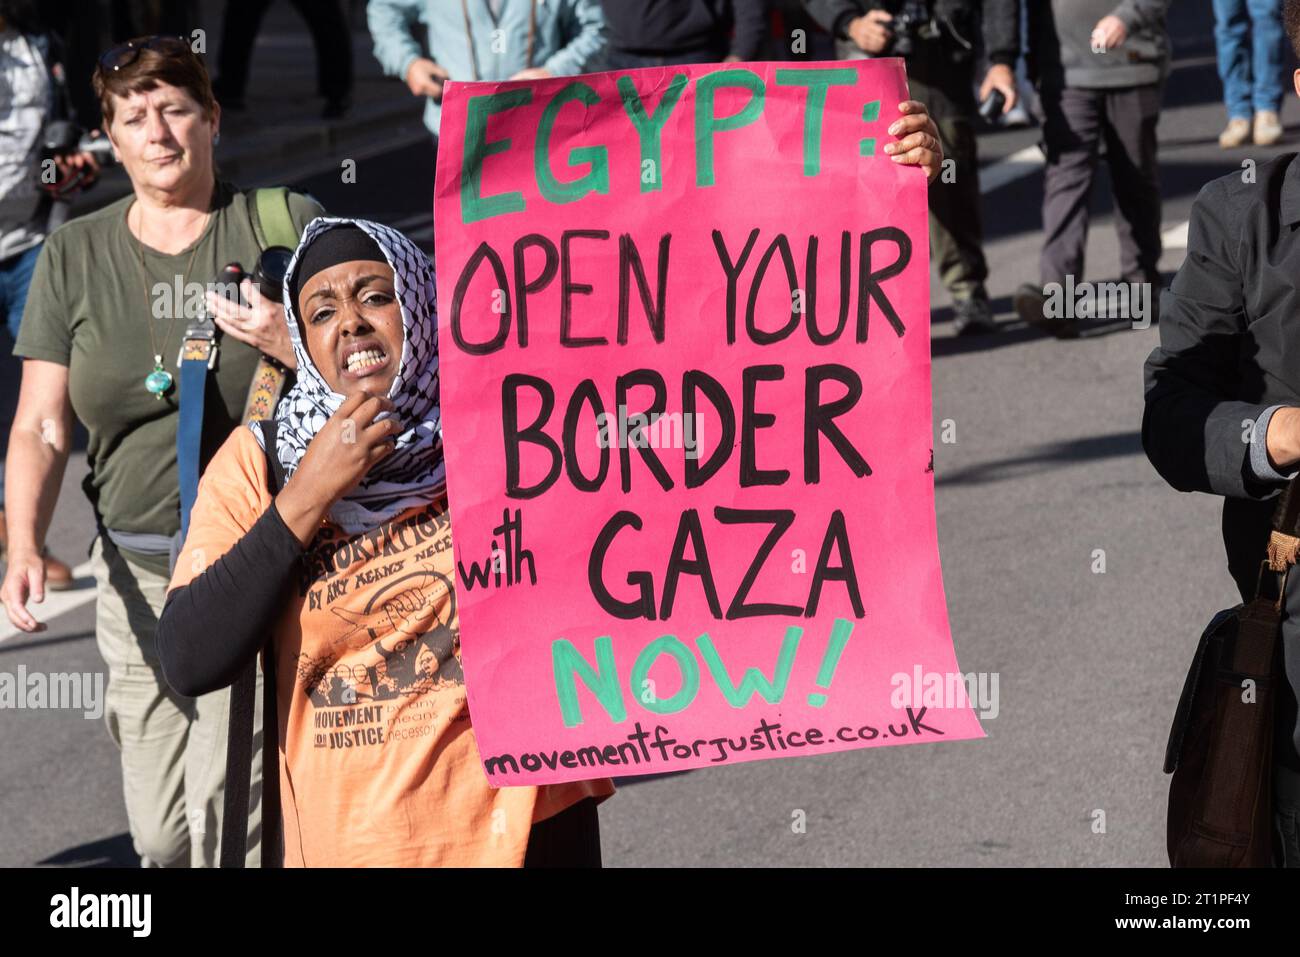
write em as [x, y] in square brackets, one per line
[340, 244]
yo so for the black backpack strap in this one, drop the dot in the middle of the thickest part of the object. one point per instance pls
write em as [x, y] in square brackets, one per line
[239, 750]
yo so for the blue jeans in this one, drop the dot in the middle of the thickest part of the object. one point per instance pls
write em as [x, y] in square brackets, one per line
[15, 277]
[1252, 55]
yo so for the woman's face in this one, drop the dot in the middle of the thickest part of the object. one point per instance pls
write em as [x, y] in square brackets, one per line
[164, 139]
[351, 323]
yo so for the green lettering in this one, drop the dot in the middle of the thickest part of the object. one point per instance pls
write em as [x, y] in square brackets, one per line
[474, 206]
[817, 82]
[597, 157]
[649, 128]
[667, 644]
[602, 681]
[753, 681]
[707, 124]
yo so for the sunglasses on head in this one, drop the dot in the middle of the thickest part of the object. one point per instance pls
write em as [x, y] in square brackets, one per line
[124, 54]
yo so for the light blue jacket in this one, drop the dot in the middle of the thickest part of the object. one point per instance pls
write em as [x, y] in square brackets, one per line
[570, 38]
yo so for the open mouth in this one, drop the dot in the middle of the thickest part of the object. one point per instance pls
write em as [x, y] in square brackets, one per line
[363, 359]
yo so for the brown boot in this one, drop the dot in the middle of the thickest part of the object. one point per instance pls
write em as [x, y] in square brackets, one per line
[58, 576]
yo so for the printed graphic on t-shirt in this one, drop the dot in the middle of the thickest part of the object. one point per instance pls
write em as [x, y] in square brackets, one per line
[391, 650]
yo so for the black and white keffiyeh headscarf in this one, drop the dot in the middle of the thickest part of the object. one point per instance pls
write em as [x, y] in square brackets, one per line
[414, 473]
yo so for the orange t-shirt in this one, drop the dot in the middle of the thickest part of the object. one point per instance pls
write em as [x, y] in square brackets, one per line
[378, 760]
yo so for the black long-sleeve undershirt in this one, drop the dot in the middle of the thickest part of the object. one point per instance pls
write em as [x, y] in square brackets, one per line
[213, 627]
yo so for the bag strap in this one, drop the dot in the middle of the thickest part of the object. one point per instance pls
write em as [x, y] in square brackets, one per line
[1283, 548]
[240, 735]
[272, 222]
[271, 217]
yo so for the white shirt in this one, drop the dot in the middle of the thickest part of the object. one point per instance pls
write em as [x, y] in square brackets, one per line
[26, 99]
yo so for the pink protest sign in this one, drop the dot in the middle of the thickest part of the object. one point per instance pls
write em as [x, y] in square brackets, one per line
[684, 328]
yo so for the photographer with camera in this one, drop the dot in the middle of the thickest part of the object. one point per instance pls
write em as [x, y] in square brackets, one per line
[37, 177]
[135, 326]
[937, 39]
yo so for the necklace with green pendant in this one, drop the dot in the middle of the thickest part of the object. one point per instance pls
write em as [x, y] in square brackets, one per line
[159, 382]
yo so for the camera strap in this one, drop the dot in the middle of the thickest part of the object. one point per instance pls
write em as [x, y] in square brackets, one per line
[272, 226]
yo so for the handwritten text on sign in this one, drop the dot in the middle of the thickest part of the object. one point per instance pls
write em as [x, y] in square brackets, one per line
[686, 400]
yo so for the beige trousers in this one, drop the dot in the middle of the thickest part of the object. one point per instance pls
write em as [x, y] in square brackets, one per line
[173, 748]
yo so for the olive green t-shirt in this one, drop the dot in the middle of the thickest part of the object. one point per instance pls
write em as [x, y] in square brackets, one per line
[91, 308]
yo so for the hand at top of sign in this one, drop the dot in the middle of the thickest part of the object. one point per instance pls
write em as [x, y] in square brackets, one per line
[533, 73]
[918, 143]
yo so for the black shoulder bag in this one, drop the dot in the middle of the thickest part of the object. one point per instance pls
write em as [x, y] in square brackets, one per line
[239, 742]
[1220, 749]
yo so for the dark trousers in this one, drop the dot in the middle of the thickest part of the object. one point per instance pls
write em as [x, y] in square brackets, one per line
[945, 85]
[1076, 123]
[568, 839]
[329, 35]
[616, 59]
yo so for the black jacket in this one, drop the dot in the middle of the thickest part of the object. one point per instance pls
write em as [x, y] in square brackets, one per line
[652, 27]
[1229, 351]
[1001, 20]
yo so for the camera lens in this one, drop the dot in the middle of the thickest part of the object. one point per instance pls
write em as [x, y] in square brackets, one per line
[271, 267]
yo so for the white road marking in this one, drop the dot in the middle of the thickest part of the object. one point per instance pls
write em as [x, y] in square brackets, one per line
[56, 603]
[1175, 237]
[1011, 168]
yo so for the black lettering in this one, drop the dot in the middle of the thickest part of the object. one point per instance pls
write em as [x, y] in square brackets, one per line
[483, 252]
[837, 535]
[819, 419]
[624, 384]
[697, 474]
[534, 434]
[525, 287]
[780, 519]
[569, 288]
[757, 335]
[733, 274]
[869, 282]
[751, 420]
[629, 265]
[644, 605]
[688, 527]
[586, 391]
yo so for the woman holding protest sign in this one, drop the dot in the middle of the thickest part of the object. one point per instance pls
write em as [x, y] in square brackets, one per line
[349, 567]
[328, 528]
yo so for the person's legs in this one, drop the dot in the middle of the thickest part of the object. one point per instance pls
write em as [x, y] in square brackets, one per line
[147, 721]
[1286, 814]
[1268, 63]
[205, 778]
[1071, 134]
[15, 277]
[1231, 30]
[330, 37]
[238, 34]
[956, 230]
[568, 839]
[1130, 130]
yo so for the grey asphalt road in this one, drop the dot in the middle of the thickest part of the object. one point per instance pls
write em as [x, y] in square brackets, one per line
[1046, 469]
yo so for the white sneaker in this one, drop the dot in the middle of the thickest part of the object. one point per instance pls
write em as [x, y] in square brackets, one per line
[1268, 128]
[1236, 133]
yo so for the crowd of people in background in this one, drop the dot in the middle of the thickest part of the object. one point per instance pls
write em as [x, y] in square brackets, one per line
[1095, 71]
